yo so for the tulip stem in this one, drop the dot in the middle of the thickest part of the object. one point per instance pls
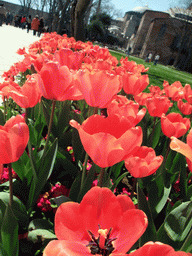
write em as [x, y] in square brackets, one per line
[133, 187]
[101, 176]
[5, 107]
[50, 125]
[10, 185]
[84, 170]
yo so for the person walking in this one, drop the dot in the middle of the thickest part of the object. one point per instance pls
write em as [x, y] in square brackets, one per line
[35, 25]
[29, 20]
[41, 26]
[23, 22]
[149, 57]
[156, 59]
[2, 14]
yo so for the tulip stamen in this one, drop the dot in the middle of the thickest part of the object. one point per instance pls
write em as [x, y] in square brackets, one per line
[103, 244]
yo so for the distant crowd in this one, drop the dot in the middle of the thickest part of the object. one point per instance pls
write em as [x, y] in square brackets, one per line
[35, 24]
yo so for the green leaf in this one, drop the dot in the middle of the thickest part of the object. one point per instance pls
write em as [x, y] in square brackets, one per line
[40, 234]
[189, 193]
[40, 224]
[57, 201]
[2, 120]
[75, 188]
[2, 251]
[117, 181]
[68, 166]
[40, 229]
[183, 178]
[20, 167]
[88, 182]
[158, 195]
[157, 134]
[18, 207]
[63, 118]
[150, 233]
[116, 170]
[9, 233]
[44, 172]
[78, 148]
[179, 221]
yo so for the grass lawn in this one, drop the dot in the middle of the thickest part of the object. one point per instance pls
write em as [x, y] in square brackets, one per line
[157, 74]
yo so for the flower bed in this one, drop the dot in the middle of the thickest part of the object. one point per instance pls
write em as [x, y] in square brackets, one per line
[91, 164]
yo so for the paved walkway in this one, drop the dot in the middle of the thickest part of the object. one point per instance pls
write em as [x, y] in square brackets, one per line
[11, 39]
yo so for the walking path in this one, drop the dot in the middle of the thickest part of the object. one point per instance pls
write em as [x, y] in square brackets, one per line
[11, 39]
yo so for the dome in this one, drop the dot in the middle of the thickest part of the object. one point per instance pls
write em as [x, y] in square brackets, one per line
[141, 9]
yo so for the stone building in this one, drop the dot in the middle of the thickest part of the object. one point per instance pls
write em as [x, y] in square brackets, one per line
[168, 34]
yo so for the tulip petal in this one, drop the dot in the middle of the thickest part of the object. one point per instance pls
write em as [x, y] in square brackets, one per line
[66, 248]
[131, 227]
[125, 202]
[100, 206]
[68, 224]
[181, 147]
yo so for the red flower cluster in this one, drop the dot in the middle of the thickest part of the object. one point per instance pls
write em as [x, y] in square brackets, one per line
[43, 201]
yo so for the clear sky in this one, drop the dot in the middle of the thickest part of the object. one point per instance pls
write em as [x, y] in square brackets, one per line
[155, 5]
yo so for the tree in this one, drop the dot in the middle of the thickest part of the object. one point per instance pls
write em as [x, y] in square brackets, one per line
[79, 8]
[66, 5]
[26, 4]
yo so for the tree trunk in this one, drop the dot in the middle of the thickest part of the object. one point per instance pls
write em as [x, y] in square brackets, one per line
[80, 10]
[98, 8]
[61, 21]
[72, 27]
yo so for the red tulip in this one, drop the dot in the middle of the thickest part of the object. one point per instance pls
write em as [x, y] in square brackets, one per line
[29, 94]
[100, 214]
[128, 109]
[174, 91]
[67, 57]
[188, 93]
[142, 97]
[158, 105]
[143, 163]
[57, 83]
[158, 249]
[14, 136]
[174, 125]
[134, 83]
[184, 107]
[108, 140]
[98, 87]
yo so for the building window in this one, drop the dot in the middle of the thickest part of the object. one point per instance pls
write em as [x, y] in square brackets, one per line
[162, 31]
[176, 43]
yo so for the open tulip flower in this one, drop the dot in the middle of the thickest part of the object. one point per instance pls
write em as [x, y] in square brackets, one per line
[101, 224]
[66, 57]
[107, 140]
[184, 107]
[98, 86]
[14, 136]
[158, 249]
[174, 125]
[57, 83]
[121, 106]
[29, 94]
[134, 83]
[143, 163]
[158, 105]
